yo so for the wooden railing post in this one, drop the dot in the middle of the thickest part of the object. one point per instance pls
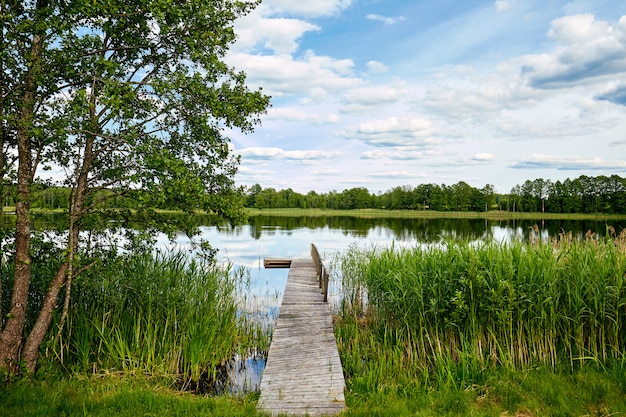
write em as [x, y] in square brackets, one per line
[322, 273]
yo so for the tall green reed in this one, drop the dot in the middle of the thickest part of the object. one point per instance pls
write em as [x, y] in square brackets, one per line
[458, 309]
[163, 314]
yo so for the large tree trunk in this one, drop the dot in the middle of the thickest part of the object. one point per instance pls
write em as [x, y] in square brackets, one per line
[30, 353]
[11, 336]
[77, 207]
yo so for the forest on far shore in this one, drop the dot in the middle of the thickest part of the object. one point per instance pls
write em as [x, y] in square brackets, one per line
[585, 194]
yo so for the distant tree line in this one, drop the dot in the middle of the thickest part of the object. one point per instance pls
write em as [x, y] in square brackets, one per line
[584, 194]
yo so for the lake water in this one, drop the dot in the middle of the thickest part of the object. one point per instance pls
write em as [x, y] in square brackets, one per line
[290, 237]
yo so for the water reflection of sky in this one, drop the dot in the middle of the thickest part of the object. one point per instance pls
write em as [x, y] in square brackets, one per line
[238, 247]
[248, 245]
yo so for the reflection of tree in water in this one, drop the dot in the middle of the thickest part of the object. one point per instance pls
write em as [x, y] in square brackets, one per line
[427, 230]
[525, 229]
[400, 229]
[424, 230]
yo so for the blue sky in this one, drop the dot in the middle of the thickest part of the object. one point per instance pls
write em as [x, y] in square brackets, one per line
[378, 94]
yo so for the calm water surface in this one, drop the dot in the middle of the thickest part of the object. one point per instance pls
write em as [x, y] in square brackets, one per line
[290, 237]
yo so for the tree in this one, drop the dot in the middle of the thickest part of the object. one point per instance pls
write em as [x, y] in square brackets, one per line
[123, 99]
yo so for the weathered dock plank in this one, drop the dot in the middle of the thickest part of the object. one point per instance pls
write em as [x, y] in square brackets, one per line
[303, 374]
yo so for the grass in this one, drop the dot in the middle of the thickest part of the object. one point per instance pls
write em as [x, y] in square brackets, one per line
[459, 329]
[443, 330]
[164, 315]
[538, 392]
[123, 397]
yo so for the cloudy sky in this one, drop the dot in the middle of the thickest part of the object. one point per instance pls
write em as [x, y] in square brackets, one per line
[378, 94]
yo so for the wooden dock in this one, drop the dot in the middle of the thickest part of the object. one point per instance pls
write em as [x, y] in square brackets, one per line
[303, 374]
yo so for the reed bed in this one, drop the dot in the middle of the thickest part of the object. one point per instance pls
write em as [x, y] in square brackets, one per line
[451, 312]
[163, 315]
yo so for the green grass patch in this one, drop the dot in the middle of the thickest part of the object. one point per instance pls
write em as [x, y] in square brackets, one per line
[164, 314]
[489, 329]
[112, 396]
[537, 392]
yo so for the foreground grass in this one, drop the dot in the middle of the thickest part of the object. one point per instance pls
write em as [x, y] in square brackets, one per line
[482, 330]
[589, 392]
[132, 397]
[524, 393]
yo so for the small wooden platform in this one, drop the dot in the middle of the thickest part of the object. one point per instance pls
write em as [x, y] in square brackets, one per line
[276, 263]
[303, 374]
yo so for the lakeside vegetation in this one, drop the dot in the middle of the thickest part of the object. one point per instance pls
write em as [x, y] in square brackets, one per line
[583, 195]
[489, 324]
[166, 316]
[527, 329]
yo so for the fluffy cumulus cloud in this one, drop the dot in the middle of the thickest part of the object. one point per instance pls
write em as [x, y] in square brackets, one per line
[375, 67]
[614, 93]
[268, 49]
[587, 60]
[394, 131]
[286, 75]
[587, 48]
[279, 35]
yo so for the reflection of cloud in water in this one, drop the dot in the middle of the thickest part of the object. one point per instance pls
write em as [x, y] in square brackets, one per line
[276, 237]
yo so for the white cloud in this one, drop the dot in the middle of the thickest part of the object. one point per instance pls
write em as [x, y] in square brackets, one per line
[587, 49]
[375, 67]
[541, 161]
[394, 131]
[483, 157]
[280, 35]
[375, 95]
[283, 75]
[387, 21]
[502, 5]
[373, 98]
[286, 113]
[315, 8]
[270, 153]
[291, 114]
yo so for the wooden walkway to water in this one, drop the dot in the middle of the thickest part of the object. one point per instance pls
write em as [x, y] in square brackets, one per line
[303, 374]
